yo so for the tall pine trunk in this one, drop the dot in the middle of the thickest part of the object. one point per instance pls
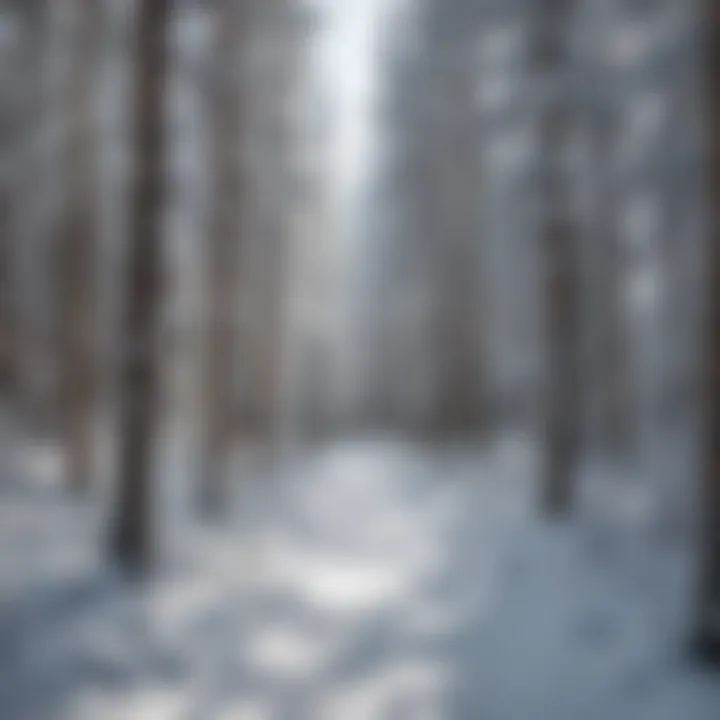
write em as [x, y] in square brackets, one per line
[708, 621]
[78, 248]
[610, 372]
[559, 251]
[223, 257]
[8, 241]
[131, 541]
[8, 342]
[461, 363]
[29, 213]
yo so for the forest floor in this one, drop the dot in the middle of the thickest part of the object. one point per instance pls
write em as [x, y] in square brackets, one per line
[368, 580]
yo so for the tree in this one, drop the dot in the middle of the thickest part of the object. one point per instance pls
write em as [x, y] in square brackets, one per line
[131, 540]
[432, 368]
[78, 248]
[274, 102]
[559, 252]
[9, 127]
[28, 213]
[223, 253]
[7, 319]
[609, 366]
[457, 315]
[708, 620]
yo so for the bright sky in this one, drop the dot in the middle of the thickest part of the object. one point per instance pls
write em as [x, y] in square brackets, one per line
[347, 59]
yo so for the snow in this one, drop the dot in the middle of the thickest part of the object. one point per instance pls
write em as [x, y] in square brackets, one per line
[363, 579]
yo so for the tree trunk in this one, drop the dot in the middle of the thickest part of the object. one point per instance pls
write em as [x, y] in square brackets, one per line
[78, 247]
[7, 319]
[8, 241]
[457, 314]
[610, 365]
[708, 621]
[560, 257]
[30, 210]
[223, 257]
[131, 541]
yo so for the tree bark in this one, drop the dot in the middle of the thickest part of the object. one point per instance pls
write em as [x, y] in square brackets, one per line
[610, 365]
[461, 363]
[223, 256]
[131, 540]
[8, 341]
[708, 606]
[558, 239]
[78, 248]
[8, 241]
[30, 211]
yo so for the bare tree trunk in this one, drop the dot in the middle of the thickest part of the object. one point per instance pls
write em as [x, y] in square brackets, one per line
[286, 78]
[8, 241]
[266, 128]
[610, 371]
[461, 411]
[29, 215]
[223, 256]
[8, 342]
[616, 415]
[78, 248]
[131, 541]
[708, 620]
[560, 256]
[270, 340]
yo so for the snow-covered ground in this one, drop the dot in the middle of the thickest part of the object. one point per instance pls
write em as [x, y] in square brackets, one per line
[365, 580]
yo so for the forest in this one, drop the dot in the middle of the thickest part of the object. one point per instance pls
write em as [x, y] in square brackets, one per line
[359, 359]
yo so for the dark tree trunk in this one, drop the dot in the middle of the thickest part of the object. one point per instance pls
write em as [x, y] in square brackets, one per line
[131, 541]
[708, 630]
[8, 342]
[616, 413]
[223, 256]
[560, 256]
[8, 241]
[8, 297]
[449, 34]
[610, 360]
[460, 412]
[29, 210]
[78, 248]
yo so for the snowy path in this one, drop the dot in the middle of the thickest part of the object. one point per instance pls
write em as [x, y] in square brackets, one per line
[376, 580]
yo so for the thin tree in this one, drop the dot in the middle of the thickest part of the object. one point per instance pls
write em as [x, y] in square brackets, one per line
[7, 317]
[461, 363]
[28, 210]
[708, 621]
[223, 254]
[78, 248]
[449, 34]
[610, 351]
[8, 137]
[276, 130]
[559, 252]
[131, 538]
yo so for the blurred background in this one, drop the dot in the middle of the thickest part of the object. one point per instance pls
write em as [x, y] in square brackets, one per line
[359, 359]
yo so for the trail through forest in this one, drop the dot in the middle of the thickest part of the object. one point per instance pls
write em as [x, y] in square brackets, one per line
[366, 579]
